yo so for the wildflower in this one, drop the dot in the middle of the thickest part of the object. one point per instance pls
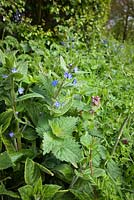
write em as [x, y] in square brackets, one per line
[96, 100]
[11, 134]
[74, 82]
[14, 70]
[67, 75]
[20, 90]
[57, 104]
[4, 76]
[54, 83]
[75, 69]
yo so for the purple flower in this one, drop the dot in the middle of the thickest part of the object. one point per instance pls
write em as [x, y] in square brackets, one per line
[11, 134]
[57, 104]
[67, 75]
[96, 100]
[20, 90]
[4, 76]
[74, 82]
[14, 70]
[54, 83]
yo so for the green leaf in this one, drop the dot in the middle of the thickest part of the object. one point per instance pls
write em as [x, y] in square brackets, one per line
[49, 191]
[64, 172]
[32, 172]
[4, 191]
[63, 64]
[5, 119]
[26, 192]
[44, 169]
[2, 57]
[86, 140]
[61, 110]
[15, 156]
[63, 126]
[64, 149]
[113, 169]
[5, 161]
[28, 96]
[37, 192]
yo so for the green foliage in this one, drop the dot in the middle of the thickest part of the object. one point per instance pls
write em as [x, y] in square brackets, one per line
[62, 109]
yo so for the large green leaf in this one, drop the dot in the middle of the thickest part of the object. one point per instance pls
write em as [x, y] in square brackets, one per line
[113, 169]
[49, 191]
[32, 172]
[28, 96]
[5, 119]
[64, 149]
[26, 192]
[63, 126]
[5, 161]
[4, 191]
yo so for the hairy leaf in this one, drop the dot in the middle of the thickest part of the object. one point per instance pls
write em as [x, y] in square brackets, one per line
[63, 126]
[5, 161]
[49, 191]
[5, 119]
[64, 149]
[26, 192]
[4, 191]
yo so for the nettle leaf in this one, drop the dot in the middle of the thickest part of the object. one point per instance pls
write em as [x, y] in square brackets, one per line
[4, 191]
[86, 140]
[5, 119]
[63, 126]
[64, 149]
[5, 161]
[26, 192]
[113, 169]
[32, 172]
[49, 191]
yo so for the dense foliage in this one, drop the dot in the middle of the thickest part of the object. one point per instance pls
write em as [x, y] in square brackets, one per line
[66, 120]
[66, 103]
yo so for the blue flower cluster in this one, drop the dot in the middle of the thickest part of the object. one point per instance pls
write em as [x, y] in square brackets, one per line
[67, 75]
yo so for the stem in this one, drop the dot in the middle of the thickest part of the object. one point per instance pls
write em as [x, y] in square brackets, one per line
[120, 134]
[59, 89]
[90, 161]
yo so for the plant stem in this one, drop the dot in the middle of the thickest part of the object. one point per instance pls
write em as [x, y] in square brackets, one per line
[59, 89]
[120, 134]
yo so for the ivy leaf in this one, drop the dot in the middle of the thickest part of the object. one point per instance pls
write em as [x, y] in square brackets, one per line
[64, 149]
[63, 126]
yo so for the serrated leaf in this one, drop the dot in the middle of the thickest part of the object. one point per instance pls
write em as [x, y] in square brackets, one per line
[15, 156]
[5, 161]
[4, 191]
[28, 96]
[5, 119]
[32, 172]
[86, 140]
[63, 126]
[63, 64]
[64, 149]
[113, 169]
[26, 192]
[49, 191]
[38, 189]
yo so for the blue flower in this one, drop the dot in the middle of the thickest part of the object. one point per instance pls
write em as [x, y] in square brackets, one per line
[11, 134]
[14, 70]
[4, 76]
[67, 75]
[74, 82]
[54, 83]
[75, 69]
[20, 90]
[57, 104]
